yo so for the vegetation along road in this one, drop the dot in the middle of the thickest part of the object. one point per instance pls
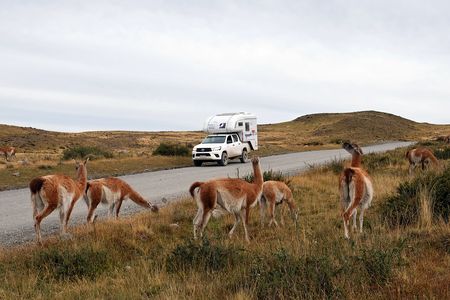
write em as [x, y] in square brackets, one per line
[16, 224]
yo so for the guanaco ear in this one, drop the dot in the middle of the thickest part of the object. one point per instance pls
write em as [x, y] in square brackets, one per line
[87, 159]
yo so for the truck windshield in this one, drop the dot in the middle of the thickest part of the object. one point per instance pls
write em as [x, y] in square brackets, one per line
[214, 140]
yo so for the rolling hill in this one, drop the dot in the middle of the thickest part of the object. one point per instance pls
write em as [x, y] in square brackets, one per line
[316, 130]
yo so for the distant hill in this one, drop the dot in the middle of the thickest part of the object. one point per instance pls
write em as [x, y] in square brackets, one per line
[313, 131]
[362, 127]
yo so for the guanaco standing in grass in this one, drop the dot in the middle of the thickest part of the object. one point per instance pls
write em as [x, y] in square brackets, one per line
[275, 193]
[8, 152]
[232, 194]
[56, 191]
[420, 156]
[355, 188]
[112, 191]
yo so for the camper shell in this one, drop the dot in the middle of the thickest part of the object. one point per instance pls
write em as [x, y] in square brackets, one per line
[242, 123]
[231, 135]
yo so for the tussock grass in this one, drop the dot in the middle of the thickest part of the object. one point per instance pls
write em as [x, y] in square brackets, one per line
[147, 257]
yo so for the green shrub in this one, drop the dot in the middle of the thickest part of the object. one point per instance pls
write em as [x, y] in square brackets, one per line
[70, 264]
[337, 141]
[442, 153]
[45, 167]
[203, 256]
[172, 150]
[81, 152]
[380, 263]
[336, 166]
[283, 276]
[270, 175]
[402, 208]
[373, 161]
[313, 143]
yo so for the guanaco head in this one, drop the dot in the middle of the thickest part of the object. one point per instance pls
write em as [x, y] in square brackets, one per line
[352, 148]
[81, 166]
[255, 160]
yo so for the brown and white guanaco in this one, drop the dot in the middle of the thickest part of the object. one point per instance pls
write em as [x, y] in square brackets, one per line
[112, 191]
[420, 157]
[8, 152]
[56, 191]
[356, 189]
[275, 193]
[231, 194]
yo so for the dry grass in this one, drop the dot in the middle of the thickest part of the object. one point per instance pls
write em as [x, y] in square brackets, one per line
[147, 257]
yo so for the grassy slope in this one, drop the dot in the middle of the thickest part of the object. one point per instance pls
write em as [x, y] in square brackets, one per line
[133, 150]
[362, 127]
[146, 257]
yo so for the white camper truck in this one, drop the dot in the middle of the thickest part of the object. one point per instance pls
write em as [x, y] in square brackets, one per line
[231, 135]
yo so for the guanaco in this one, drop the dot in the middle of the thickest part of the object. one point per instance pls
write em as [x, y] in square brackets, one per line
[422, 157]
[275, 193]
[56, 191]
[112, 191]
[231, 194]
[356, 189]
[8, 152]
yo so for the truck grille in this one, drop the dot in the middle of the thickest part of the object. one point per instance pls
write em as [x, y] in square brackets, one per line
[203, 149]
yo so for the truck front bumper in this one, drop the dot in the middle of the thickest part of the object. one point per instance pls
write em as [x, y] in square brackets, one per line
[207, 156]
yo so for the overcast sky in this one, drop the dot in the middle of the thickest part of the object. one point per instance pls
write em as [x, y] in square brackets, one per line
[168, 65]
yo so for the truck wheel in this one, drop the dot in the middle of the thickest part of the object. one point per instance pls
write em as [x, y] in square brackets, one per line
[244, 156]
[197, 163]
[224, 160]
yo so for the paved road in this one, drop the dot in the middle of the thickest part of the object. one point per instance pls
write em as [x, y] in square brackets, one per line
[16, 224]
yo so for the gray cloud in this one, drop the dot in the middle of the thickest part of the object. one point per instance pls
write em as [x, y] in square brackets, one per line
[159, 65]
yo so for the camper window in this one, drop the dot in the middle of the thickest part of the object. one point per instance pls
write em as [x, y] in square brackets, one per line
[240, 124]
[247, 126]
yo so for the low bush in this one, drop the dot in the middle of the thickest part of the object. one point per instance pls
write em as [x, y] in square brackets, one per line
[270, 175]
[283, 276]
[45, 167]
[70, 264]
[442, 153]
[314, 143]
[201, 256]
[403, 207]
[377, 161]
[81, 152]
[380, 263]
[336, 166]
[167, 149]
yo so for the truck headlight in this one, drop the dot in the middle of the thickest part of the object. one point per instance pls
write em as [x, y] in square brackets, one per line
[216, 149]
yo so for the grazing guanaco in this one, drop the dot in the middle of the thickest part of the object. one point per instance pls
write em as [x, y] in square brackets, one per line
[8, 152]
[231, 194]
[420, 156]
[112, 191]
[355, 188]
[275, 193]
[56, 191]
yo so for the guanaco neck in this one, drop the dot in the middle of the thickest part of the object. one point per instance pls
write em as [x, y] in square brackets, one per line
[258, 177]
[356, 160]
[82, 177]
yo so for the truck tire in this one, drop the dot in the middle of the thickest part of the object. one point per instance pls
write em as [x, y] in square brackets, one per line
[197, 163]
[224, 159]
[244, 156]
